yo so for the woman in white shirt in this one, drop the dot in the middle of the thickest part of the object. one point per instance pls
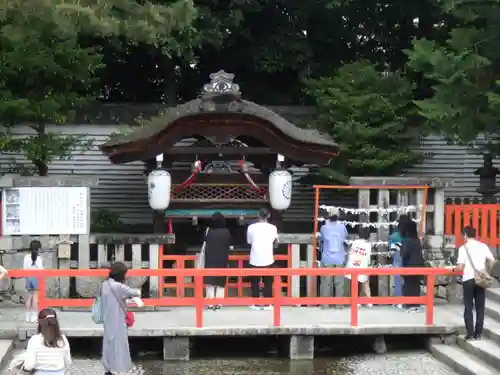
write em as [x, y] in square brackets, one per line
[32, 261]
[48, 351]
[360, 257]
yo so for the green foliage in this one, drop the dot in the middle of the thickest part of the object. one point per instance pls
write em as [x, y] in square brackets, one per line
[370, 113]
[46, 72]
[44, 76]
[105, 221]
[463, 74]
[141, 21]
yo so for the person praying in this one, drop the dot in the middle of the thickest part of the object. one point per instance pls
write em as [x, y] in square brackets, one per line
[394, 246]
[360, 257]
[412, 256]
[332, 237]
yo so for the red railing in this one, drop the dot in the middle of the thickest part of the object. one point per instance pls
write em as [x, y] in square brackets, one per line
[278, 300]
[483, 217]
[181, 262]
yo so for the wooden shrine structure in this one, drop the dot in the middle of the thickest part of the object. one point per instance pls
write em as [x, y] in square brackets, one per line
[233, 144]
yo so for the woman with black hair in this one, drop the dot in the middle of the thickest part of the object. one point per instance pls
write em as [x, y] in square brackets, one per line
[217, 240]
[115, 347]
[32, 261]
[394, 246]
[412, 256]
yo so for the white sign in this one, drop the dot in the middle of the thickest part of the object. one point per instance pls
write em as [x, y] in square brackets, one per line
[45, 211]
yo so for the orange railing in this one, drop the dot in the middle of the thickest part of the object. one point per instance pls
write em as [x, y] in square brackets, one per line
[181, 262]
[483, 217]
[278, 300]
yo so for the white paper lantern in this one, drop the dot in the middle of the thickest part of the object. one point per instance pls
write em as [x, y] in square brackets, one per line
[159, 186]
[280, 189]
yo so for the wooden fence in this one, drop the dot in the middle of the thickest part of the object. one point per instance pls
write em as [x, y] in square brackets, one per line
[485, 218]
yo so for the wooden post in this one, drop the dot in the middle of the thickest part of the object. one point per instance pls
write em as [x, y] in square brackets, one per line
[363, 203]
[383, 235]
[295, 250]
[439, 207]
[119, 253]
[154, 253]
[310, 259]
[64, 264]
[102, 256]
[83, 263]
[420, 203]
[403, 200]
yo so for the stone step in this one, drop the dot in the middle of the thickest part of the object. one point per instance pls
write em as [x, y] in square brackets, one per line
[485, 349]
[461, 361]
[493, 309]
[493, 294]
[6, 347]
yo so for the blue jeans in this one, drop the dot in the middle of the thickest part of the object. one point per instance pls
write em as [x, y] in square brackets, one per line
[31, 283]
[397, 262]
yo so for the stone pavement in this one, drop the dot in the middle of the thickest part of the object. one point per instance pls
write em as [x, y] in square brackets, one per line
[243, 321]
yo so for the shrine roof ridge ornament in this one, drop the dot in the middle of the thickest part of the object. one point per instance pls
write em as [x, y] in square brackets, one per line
[220, 109]
[221, 83]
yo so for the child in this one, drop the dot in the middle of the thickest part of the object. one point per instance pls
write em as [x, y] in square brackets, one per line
[359, 257]
[32, 261]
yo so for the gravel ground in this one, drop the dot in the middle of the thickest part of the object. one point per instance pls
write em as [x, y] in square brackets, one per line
[412, 363]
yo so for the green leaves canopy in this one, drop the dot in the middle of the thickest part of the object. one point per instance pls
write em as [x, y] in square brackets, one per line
[46, 72]
[369, 111]
[463, 74]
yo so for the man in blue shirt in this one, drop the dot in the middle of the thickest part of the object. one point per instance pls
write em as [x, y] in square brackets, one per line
[332, 237]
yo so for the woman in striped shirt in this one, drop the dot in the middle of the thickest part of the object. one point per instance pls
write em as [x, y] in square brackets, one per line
[48, 351]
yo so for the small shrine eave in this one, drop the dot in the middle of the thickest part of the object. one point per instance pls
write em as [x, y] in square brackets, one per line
[220, 114]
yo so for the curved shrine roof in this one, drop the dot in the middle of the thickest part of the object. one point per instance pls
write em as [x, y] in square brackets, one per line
[220, 110]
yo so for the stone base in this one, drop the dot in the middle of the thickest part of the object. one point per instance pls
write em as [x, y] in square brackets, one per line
[301, 347]
[443, 339]
[176, 348]
[454, 294]
[379, 345]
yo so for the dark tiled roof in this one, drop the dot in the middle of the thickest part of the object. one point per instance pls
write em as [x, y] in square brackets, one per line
[155, 125]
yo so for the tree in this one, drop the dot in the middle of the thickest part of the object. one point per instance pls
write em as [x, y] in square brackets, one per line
[463, 73]
[44, 76]
[141, 21]
[370, 113]
[45, 72]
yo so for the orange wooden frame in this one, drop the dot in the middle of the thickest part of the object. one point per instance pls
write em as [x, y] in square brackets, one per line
[179, 262]
[483, 217]
[278, 300]
[317, 189]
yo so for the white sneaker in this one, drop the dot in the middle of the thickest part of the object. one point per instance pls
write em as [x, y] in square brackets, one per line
[255, 307]
[267, 307]
[400, 306]
[369, 305]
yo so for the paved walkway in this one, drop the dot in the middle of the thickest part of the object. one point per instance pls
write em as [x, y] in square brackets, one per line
[243, 321]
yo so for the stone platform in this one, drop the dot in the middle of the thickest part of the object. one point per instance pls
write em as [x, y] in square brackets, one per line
[301, 324]
[180, 321]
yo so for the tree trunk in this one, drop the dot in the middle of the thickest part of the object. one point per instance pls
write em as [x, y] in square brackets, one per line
[42, 169]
